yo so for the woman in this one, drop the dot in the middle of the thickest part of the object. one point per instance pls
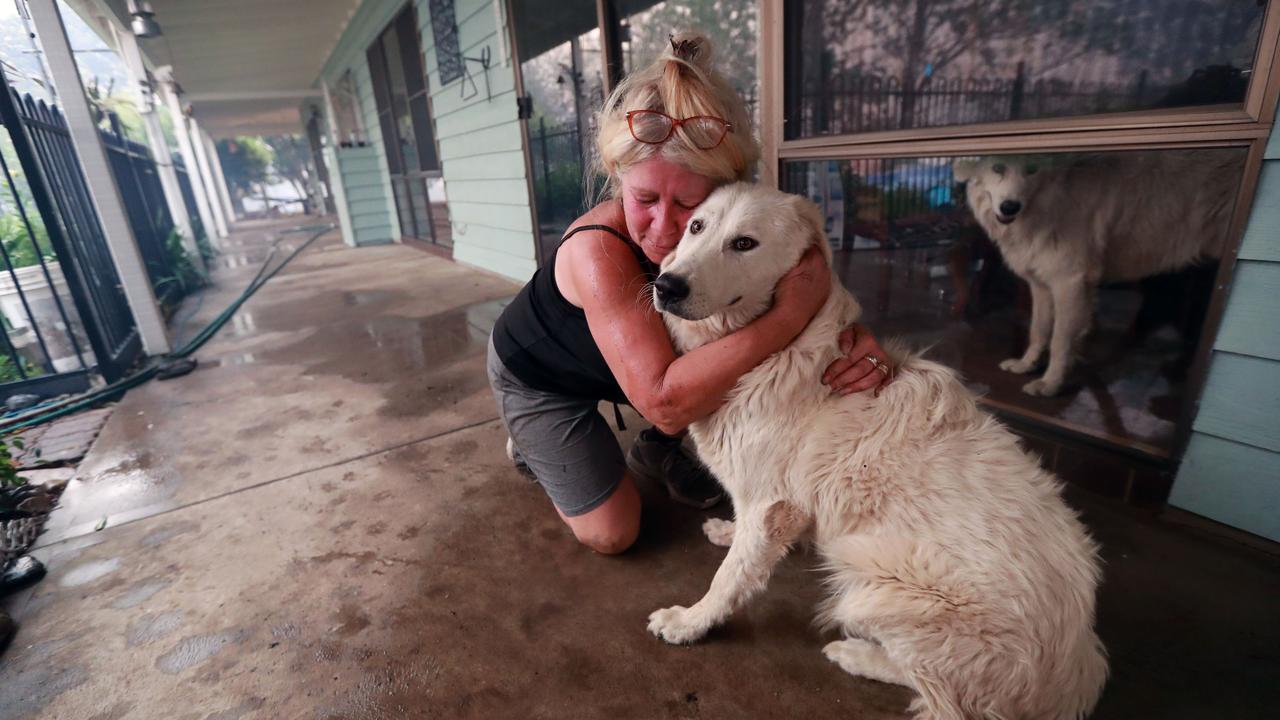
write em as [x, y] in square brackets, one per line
[584, 328]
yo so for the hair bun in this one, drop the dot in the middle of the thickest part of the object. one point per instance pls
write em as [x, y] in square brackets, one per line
[690, 47]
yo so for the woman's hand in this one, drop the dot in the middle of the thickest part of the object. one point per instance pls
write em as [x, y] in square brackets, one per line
[855, 371]
[804, 289]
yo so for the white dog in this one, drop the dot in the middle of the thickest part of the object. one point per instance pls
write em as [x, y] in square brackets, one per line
[1065, 226]
[954, 566]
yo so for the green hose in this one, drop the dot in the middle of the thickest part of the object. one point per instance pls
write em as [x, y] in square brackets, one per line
[119, 387]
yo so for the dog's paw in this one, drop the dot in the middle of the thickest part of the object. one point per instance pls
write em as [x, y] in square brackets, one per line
[677, 625]
[1016, 365]
[719, 532]
[1042, 388]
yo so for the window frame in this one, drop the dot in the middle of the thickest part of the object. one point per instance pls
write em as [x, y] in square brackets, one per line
[1248, 127]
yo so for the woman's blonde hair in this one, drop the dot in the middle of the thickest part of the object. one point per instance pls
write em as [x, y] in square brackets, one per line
[681, 83]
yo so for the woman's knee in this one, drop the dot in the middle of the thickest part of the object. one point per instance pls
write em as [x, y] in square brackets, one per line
[609, 541]
[614, 526]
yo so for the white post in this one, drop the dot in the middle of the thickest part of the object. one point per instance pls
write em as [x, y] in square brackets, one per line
[206, 176]
[224, 191]
[170, 93]
[335, 168]
[97, 172]
[137, 72]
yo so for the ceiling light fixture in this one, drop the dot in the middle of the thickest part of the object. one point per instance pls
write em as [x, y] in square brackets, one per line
[144, 23]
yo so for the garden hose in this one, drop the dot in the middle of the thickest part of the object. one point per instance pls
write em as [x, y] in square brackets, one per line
[44, 414]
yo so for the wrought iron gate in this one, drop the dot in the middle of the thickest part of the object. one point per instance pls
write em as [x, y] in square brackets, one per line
[47, 157]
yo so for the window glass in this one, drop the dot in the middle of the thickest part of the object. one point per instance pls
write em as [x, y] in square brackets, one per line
[346, 112]
[565, 85]
[731, 25]
[981, 258]
[869, 65]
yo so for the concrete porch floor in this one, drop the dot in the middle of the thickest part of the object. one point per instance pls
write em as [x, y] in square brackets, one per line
[320, 522]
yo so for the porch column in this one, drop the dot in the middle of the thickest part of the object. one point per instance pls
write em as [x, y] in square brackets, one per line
[169, 90]
[224, 191]
[137, 73]
[97, 172]
[336, 181]
[206, 176]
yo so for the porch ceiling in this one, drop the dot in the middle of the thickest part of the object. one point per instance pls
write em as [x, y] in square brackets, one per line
[245, 65]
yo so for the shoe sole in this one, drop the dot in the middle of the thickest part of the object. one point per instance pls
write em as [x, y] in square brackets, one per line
[633, 466]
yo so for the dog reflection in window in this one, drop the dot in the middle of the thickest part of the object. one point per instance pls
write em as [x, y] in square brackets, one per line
[1066, 224]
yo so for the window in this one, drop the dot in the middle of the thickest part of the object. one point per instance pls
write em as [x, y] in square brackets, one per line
[563, 72]
[925, 268]
[731, 26]
[563, 68]
[872, 65]
[993, 173]
[346, 112]
[400, 93]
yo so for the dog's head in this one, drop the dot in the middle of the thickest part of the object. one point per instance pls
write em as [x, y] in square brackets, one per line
[1002, 187]
[736, 247]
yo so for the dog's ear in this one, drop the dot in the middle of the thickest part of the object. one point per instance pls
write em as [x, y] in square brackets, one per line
[814, 223]
[964, 170]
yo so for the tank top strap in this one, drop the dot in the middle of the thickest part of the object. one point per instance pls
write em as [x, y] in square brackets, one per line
[645, 263]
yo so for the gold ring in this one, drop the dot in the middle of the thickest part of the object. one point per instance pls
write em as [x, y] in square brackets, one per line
[884, 370]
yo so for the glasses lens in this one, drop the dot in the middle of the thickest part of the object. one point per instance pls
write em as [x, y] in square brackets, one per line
[704, 132]
[650, 127]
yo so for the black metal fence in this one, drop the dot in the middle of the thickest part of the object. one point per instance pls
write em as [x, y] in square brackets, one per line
[858, 103]
[188, 195]
[558, 169]
[143, 196]
[64, 213]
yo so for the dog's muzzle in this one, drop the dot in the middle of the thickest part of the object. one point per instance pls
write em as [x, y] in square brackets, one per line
[1008, 211]
[670, 289]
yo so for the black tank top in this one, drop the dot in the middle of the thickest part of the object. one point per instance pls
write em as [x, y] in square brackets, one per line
[543, 339]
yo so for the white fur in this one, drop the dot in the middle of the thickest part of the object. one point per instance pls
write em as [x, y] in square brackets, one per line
[954, 566]
[1092, 219]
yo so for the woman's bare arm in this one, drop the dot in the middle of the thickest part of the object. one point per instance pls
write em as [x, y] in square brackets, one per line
[672, 391]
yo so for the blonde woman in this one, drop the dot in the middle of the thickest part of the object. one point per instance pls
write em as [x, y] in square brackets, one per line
[584, 329]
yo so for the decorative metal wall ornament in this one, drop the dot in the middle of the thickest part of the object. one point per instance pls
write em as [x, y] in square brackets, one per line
[484, 61]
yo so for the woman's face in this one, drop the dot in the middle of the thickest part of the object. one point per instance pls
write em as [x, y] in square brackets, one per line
[657, 198]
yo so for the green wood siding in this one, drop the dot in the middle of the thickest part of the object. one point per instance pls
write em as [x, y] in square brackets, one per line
[1262, 236]
[479, 137]
[365, 173]
[1233, 483]
[1231, 470]
[503, 217]
[481, 146]
[1241, 401]
[502, 263]
[1252, 328]
[366, 195]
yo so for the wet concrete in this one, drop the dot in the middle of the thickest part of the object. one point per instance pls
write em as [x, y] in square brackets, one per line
[321, 523]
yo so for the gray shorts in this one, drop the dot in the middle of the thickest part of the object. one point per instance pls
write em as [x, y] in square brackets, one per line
[565, 440]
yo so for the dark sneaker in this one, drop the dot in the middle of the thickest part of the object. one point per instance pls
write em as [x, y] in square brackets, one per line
[521, 466]
[662, 459]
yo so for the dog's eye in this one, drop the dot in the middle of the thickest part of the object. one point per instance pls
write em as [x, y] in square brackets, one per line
[998, 168]
[1033, 169]
[744, 244]
[695, 227]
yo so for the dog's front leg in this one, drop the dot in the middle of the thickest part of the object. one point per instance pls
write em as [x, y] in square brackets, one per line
[1072, 313]
[762, 536]
[1039, 332]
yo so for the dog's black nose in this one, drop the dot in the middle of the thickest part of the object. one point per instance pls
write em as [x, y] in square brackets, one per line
[1009, 208]
[671, 288]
